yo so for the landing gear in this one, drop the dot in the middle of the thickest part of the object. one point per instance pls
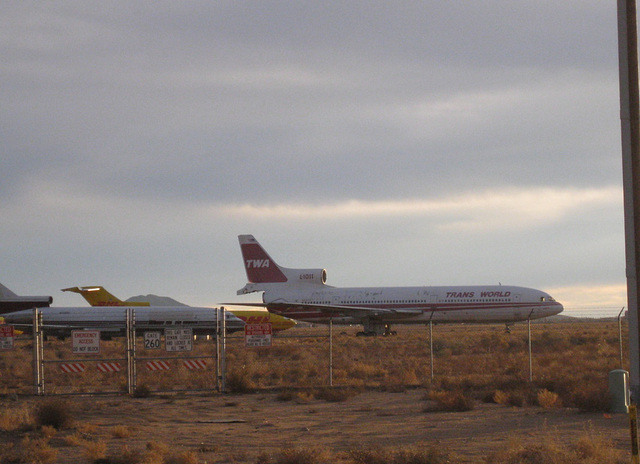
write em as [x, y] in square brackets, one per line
[373, 329]
[507, 328]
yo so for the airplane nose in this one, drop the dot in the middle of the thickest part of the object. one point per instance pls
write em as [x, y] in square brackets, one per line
[556, 309]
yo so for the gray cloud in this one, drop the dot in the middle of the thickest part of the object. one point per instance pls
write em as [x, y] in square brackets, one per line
[155, 113]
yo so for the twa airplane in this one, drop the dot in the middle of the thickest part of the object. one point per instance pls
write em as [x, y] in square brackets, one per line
[302, 294]
[9, 301]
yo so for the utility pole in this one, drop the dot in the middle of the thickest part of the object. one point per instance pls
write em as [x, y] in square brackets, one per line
[628, 69]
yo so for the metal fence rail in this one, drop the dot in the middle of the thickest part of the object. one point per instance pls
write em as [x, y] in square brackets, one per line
[307, 357]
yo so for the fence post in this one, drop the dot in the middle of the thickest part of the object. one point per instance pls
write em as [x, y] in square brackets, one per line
[530, 353]
[431, 344]
[131, 352]
[223, 349]
[38, 352]
[331, 352]
[620, 336]
[218, 349]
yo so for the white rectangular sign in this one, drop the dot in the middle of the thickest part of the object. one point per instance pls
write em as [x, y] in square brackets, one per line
[257, 335]
[178, 339]
[152, 340]
[6, 337]
[85, 341]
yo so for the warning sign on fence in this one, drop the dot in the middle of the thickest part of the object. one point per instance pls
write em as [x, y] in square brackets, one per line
[257, 334]
[178, 339]
[85, 341]
[6, 337]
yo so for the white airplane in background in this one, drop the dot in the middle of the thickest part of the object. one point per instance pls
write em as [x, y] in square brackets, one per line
[9, 301]
[302, 294]
[113, 318]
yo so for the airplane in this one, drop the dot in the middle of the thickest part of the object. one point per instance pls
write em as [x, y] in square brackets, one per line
[261, 316]
[98, 296]
[60, 320]
[303, 294]
[9, 301]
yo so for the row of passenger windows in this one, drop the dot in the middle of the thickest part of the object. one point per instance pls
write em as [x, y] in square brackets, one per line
[453, 300]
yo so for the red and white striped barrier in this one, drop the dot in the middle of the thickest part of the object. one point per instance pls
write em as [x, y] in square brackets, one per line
[195, 364]
[109, 367]
[158, 365]
[72, 367]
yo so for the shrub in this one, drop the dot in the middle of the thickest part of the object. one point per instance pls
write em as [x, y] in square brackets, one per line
[14, 418]
[454, 401]
[548, 400]
[518, 397]
[335, 395]
[374, 455]
[95, 450]
[431, 455]
[297, 396]
[53, 412]
[141, 391]
[591, 399]
[184, 457]
[239, 381]
[301, 456]
[121, 431]
[30, 451]
[587, 449]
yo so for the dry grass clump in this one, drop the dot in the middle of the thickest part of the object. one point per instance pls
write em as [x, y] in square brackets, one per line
[413, 455]
[505, 398]
[121, 431]
[29, 451]
[295, 456]
[336, 395]
[592, 397]
[53, 412]
[15, 418]
[548, 400]
[449, 401]
[588, 449]
[95, 450]
[293, 395]
[141, 391]
[240, 381]
[154, 453]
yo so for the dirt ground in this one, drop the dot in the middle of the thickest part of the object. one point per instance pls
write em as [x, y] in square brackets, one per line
[235, 428]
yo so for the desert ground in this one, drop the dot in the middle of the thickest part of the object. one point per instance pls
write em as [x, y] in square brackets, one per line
[382, 397]
[237, 428]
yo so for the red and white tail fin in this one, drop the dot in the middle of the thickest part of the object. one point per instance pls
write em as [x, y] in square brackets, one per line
[263, 273]
[260, 267]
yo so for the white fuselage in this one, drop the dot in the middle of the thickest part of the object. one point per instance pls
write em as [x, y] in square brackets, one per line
[114, 317]
[496, 303]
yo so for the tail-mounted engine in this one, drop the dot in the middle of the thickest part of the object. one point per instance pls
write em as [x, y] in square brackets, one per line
[309, 276]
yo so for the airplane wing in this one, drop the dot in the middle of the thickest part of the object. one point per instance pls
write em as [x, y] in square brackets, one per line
[338, 310]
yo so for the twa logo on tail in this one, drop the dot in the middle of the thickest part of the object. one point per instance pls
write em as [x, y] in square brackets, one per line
[257, 263]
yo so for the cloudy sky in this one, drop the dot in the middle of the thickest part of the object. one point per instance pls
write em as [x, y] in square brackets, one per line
[392, 143]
